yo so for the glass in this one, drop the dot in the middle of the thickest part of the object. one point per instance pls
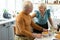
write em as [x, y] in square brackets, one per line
[58, 27]
[53, 30]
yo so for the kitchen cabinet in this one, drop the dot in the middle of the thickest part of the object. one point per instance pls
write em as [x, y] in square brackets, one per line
[0, 32]
[6, 31]
[11, 33]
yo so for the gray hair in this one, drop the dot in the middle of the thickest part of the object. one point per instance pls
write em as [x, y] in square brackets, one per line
[43, 5]
[27, 4]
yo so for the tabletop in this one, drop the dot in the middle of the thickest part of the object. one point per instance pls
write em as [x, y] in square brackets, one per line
[52, 37]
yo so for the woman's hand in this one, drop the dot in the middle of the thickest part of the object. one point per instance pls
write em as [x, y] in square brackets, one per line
[55, 27]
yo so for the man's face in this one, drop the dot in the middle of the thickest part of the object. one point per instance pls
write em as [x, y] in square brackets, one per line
[29, 9]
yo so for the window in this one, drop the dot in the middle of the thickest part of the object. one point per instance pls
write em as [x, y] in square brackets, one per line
[12, 6]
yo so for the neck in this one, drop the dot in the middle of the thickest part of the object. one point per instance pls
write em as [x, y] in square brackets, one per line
[42, 13]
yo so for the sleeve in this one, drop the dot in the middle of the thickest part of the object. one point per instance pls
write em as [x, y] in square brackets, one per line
[35, 26]
[48, 11]
[36, 12]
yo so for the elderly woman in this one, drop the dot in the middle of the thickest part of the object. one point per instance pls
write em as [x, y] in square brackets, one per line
[42, 16]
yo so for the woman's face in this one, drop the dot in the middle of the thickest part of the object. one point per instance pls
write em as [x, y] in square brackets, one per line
[42, 9]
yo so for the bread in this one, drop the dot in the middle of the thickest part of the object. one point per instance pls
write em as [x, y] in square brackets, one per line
[44, 32]
[57, 36]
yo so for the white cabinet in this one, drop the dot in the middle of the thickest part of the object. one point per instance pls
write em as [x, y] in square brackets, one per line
[0, 32]
[6, 31]
[10, 33]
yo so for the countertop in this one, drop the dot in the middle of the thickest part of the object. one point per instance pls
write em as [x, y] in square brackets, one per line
[47, 38]
[3, 21]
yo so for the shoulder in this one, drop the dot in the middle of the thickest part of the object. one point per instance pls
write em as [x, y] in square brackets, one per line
[37, 12]
[20, 16]
[30, 16]
[48, 10]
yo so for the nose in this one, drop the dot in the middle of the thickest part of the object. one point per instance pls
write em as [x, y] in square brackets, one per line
[41, 9]
[29, 9]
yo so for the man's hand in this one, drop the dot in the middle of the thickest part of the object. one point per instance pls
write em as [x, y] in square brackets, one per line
[37, 35]
[45, 30]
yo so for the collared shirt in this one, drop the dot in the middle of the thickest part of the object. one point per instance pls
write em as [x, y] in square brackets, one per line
[40, 19]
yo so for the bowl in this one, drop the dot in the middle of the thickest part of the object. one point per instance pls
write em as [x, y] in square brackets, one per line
[45, 34]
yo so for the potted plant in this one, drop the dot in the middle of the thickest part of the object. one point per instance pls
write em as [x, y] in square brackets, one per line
[6, 14]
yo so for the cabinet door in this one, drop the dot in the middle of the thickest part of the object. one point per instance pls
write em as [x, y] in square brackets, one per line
[0, 32]
[4, 33]
[11, 33]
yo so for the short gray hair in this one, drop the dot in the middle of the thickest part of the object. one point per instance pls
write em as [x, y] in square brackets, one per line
[27, 4]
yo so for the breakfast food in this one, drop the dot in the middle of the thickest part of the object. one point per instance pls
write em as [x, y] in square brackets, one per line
[57, 36]
[44, 32]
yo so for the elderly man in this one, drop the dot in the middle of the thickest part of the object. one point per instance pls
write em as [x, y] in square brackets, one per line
[24, 24]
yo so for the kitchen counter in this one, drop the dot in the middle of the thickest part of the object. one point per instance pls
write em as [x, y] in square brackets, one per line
[3, 21]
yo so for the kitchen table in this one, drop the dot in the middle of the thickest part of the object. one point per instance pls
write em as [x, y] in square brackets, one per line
[52, 37]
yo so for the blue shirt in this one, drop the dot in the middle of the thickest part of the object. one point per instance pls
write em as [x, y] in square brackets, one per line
[40, 19]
